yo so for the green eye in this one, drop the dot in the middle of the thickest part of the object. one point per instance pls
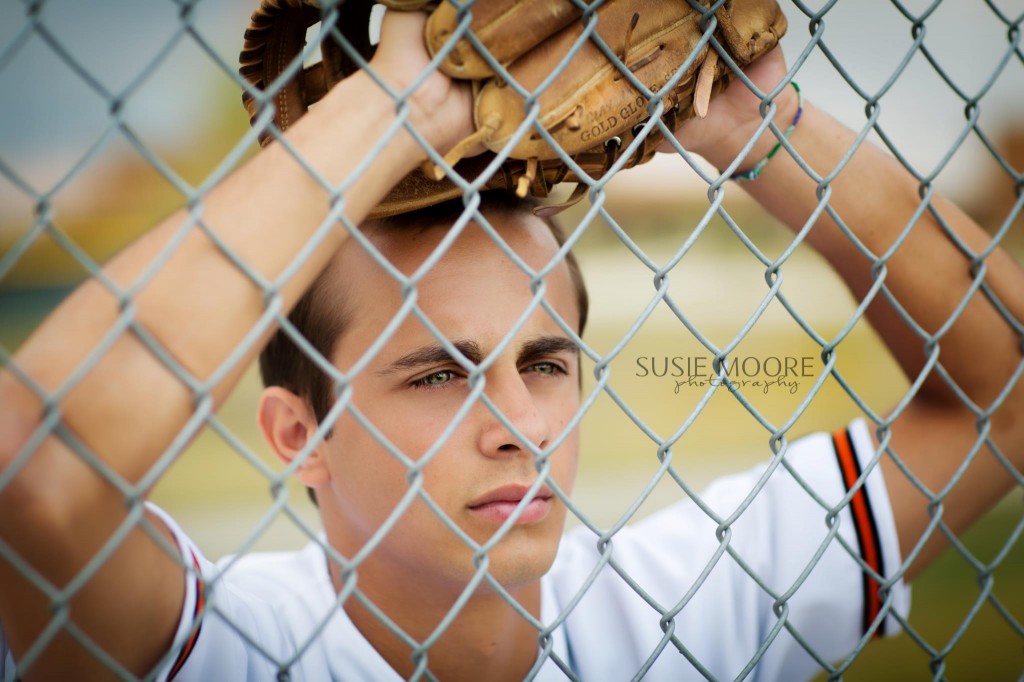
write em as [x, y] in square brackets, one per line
[546, 368]
[439, 378]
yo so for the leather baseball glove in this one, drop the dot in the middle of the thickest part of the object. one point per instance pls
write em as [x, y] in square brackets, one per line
[589, 80]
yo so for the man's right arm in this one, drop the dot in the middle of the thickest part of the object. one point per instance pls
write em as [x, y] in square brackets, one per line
[123, 404]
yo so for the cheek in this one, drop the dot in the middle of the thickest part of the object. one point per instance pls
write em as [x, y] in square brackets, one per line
[368, 478]
[413, 421]
[371, 478]
[565, 460]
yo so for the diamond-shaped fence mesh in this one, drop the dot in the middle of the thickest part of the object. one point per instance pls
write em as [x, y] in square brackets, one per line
[444, 451]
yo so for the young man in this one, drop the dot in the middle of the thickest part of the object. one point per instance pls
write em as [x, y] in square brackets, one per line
[455, 543]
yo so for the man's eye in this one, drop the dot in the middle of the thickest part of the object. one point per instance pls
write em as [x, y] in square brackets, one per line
[439, 378]
[547, 368]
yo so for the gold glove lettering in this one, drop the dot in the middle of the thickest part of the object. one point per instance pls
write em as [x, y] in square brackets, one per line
[599, 129]
[633, 109]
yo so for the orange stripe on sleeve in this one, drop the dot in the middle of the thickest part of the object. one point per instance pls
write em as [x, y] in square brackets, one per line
[191, 643]
[864, 523]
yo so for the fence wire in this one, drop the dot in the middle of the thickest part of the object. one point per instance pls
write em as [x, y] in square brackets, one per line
[31, 25]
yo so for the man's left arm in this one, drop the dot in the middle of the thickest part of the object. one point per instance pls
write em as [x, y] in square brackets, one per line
[978, 347]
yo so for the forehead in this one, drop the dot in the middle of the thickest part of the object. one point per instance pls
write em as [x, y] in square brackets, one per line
[470, 286]
[517, 235]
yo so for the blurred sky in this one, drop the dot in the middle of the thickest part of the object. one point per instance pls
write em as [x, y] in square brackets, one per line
[51, 116]
[49, 109]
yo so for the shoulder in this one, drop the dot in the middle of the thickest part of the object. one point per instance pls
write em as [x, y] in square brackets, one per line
[804, 480]
[242, 609]
[253, 610]
[272, 573]
[289, 588]
[250, 578]
[780, 535]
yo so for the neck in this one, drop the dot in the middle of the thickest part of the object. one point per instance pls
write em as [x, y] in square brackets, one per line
[487, 640]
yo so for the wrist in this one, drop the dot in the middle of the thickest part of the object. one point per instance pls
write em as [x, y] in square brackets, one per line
[755, 171]
[788, 108]
[440, 110]
[378, 113]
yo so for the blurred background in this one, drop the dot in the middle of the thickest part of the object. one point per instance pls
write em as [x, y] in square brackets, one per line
[116, 111]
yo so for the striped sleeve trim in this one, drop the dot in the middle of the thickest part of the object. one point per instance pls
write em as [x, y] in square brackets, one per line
[191, 643]
[866, 526]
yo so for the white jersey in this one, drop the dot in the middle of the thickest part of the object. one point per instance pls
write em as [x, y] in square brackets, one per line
[671, 600]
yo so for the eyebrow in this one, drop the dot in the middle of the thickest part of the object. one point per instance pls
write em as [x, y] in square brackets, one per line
[436, 353]
[546, 345]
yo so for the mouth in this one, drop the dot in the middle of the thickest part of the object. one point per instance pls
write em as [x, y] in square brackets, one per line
[499, 504]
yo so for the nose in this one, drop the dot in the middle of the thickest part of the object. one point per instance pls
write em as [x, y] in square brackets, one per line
[511, 399]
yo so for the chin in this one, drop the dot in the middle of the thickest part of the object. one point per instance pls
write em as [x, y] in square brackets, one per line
[523, 557]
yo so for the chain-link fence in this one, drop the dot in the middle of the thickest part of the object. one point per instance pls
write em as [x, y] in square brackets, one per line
[713, 331]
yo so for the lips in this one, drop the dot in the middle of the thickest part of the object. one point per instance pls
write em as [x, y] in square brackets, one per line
[499, 504]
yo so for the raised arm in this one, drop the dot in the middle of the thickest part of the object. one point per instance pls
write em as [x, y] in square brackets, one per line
[927, 274]
[56, 512]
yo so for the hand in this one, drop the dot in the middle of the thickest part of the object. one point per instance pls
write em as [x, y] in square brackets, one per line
[734, 116]
[442, 109]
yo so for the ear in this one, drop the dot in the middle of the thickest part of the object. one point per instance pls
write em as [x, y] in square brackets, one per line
[288, 425]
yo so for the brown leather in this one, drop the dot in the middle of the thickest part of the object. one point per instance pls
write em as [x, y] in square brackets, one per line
[591, 109]
[592, 100]
[276, 36]
[750, 29]
[509, 29]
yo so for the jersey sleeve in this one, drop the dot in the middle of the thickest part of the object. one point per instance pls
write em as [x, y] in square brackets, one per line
[833, 557]
[223, 633]
[189, 621]
[870, 513]
[770, 574]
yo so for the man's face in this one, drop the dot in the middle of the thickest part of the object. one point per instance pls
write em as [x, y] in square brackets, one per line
[412, 392]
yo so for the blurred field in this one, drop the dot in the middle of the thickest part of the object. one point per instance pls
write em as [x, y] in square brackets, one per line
[221, 499]
[188, 114]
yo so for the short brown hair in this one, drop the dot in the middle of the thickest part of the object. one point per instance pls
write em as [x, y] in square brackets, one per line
[321, 318]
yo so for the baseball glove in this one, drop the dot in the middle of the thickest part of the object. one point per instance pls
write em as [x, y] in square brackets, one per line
[592, 109]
